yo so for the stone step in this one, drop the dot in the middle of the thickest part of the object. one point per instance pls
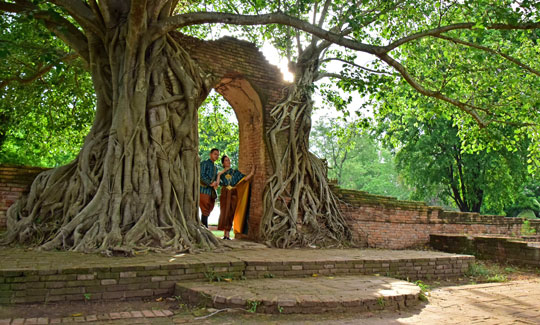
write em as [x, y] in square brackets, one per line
[39, 277]
[303, 295]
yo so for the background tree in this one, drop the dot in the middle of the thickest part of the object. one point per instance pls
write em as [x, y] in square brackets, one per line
[133, 185]
[527, 202]
[431, 158]
[47, 102]
[218, 128]
[355, 159]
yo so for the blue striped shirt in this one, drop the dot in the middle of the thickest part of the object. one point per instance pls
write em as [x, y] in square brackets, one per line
[208, 175]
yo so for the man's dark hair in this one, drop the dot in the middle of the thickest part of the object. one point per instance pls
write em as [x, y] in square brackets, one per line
[214, 149]
[223, 158]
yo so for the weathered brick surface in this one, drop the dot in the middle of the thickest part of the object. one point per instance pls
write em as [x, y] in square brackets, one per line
[126, 278]
[500, 249]
[308, 295]
[14, 181]
[385, 222]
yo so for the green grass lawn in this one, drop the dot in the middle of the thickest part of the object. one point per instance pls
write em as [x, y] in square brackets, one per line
[219, 233]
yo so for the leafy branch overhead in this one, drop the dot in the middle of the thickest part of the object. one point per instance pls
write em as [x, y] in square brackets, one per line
[349, 24]
[467, 35]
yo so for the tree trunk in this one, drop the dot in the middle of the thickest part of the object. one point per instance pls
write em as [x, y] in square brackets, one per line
[135, 182]
[299, 207]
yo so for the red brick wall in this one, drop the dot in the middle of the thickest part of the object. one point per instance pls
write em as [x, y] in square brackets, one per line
[384, 222]
[14, 180]
[500, 249]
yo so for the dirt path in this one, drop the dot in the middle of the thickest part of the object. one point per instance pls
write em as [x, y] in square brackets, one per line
[515, 302]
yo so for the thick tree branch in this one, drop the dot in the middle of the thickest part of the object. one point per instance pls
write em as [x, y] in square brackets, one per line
[136, 21]
[444, 29]
[299, 48]
[68, 33]
[315, 10]
[197, 18]
[97, 11]
[15, 7]
[492, 51]
[60, 26]
[324, 12]
[330, 75]
[246, 30]
[355, 65]
[82, 14]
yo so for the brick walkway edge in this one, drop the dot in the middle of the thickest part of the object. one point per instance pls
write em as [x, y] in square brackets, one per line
[33, 277]
[132, 315]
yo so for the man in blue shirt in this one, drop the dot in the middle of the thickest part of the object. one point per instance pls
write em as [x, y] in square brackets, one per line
[208, 186]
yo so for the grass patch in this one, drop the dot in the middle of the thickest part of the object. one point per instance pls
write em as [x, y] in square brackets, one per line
[497, 278]
[480, 271]
[219, 233]
[424, 290]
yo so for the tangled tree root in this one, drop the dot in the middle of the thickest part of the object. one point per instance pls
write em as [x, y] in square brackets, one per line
[134, 185]
[300, 208]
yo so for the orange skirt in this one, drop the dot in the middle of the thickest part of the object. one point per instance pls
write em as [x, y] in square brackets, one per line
[206, 203]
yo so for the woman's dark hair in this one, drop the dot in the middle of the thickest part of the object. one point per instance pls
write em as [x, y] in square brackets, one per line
[223, 158]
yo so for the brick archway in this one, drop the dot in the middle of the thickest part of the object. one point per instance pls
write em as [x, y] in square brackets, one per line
[252, 86]
[247, 106]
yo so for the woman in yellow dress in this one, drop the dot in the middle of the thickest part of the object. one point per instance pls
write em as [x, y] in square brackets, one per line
[233, 197]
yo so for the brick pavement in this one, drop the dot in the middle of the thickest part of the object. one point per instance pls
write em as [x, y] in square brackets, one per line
[516, 302]
[304, 295]
[132, 317]
[46, 277]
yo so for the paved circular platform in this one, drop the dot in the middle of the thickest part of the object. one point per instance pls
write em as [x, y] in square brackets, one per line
[303, 295]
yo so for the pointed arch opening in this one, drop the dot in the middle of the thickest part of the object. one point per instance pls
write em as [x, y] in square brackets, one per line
[248, 109]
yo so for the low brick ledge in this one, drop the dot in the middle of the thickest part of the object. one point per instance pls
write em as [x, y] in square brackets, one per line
[124, 315]
[503, 249]
[307, 295]
[150, 278]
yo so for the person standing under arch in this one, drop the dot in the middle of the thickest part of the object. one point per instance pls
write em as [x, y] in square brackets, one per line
[208, 186]
[233, 198]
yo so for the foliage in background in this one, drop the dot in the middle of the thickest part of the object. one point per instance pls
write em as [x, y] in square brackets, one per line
[493, 73]
[44, 119]
[527, 202]
[355, 159]
[218, 128]
[431, 157]
[478, 161]
[46, 96]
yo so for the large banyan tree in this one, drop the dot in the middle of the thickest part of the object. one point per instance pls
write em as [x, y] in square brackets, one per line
[135, 181]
